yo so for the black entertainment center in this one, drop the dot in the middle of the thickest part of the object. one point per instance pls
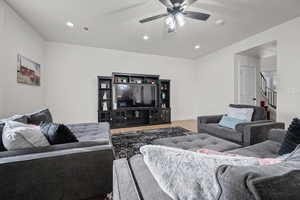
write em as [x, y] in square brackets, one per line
[126, 100]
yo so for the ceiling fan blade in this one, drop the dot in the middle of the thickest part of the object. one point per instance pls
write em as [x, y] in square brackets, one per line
[188, 2]
[167, 3]
[184, 3]
[153, 18]
[124, 9]
[196, 15]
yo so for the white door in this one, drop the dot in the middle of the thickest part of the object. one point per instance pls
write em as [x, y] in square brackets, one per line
[247, 85]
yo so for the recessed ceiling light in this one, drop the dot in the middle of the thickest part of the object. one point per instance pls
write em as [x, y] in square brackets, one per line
[220, 22]
[70, 24]
[197, 47]
[146, 37]
[86, 28]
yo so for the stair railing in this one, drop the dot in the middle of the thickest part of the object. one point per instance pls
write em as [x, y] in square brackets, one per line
[268, 93]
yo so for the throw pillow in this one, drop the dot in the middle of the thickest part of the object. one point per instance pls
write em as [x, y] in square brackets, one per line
[18, 136]
[17, 118]
[240, 113]
[245, 182]
[58, 133]
[277, 187]
[38, 117]
[230, 122]
[2, 124]
[292, 138]
[187, 175]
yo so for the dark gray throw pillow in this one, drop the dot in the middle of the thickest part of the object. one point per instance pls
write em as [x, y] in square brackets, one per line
[292, 138]
[39, 117]
[57, 133]
[2, 148]
[282, 187]
[246, 182]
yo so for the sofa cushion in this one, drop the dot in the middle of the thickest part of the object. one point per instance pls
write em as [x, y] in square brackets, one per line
[240, 182]
[258, 114]
[277, 135]
[267, 149]
[197, 141]
[38, 117]
[57, 133]
[91, 132]
[292, 138]
[124, 186]
[146, 183]
[21, 136]
[221, 132]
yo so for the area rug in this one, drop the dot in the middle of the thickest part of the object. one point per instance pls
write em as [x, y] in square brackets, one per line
[126, 145]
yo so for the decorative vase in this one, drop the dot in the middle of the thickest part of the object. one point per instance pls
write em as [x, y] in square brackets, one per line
[105, 106]
[105, 95]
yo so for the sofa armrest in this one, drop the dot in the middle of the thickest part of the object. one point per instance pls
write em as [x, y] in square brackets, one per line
[277, 135]
[257, 133]
[124, 186]
[241, 127]
[208, 119]
[78, 173]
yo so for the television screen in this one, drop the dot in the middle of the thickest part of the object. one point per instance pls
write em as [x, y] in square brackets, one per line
[135, 95]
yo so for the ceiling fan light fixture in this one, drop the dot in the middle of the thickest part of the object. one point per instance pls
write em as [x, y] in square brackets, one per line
[171, 22]
[180, 19]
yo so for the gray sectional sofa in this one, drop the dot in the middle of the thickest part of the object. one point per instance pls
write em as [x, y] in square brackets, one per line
[132, 180]
[246, 134]
[72, 171]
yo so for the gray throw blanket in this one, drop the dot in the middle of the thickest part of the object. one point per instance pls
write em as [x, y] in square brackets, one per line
[186, 175]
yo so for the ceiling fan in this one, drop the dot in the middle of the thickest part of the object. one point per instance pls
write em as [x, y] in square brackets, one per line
[176, 13]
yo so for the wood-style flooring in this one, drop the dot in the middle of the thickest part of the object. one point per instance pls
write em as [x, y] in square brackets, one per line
[187, 124]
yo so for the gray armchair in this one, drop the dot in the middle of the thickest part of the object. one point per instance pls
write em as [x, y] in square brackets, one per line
[245, 133]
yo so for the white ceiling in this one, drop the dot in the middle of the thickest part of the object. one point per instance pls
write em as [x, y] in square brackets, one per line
[114, 24]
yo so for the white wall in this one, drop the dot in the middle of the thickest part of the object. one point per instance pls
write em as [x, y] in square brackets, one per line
[69, 86]
[221, 66]
[1, 55]
[269, 64]
[71, 79]
[18, 38]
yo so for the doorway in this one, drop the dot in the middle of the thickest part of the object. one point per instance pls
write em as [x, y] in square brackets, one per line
[256, 77]
[247, 85]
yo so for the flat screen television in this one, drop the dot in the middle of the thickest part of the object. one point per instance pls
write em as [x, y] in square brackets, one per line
[135, 95]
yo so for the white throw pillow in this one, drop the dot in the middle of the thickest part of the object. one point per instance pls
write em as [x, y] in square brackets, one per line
[240, 113]
[22, 136]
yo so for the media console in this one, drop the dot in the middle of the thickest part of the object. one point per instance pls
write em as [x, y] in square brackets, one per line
[127, 100]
